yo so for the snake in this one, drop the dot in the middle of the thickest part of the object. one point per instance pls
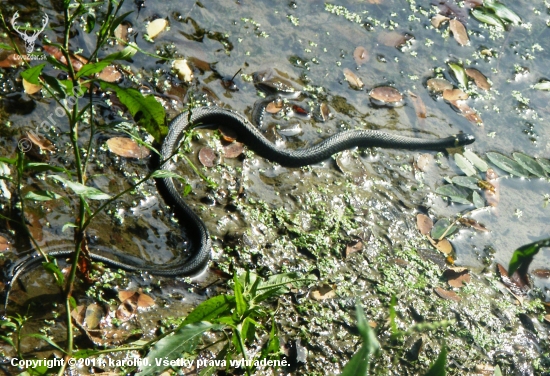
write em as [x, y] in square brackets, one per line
[250, 135]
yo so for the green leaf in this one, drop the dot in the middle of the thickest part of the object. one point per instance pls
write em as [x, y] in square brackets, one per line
[543, 85]
[187, 189]
[503, 12]
[466, 181]
[90, 23]
[92, 68]
[68, 225]
[126, 54]
[42, 196]
[41, 167]
[82, 190]
[7, 340]
[485, 16]
[479, 163]
[460, 74]
[31, 75]
[48, 340]
[273, 347]
[465, 165]
[479, 202]
[211, 309]
[455, 194]
[438, 368]
[529, 164]
[544, 163]
[497, 371]
[359, 363]
[59, 88]
[161, 174]
[239, 298]
[441, 227]
[152, 115]
[507, 164]
[54, 270]
[11, 161]
[523, 256]
[169, 348]
[6, 47]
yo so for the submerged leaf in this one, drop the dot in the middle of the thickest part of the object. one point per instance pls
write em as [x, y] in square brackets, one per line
[529, 164]
[454, 95]
[479, 78]
[484, 15]
[507, 164]
[543, 85]
[447, 295]
[439, 85]
[438, 19]
[479, 163]
[503, 12]
[465, 165]
[466, 181]
[455, 194]
[360, 55]
[354, 81]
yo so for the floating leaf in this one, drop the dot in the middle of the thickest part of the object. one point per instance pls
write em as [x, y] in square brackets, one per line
[459, 32]
[545, 164]
[438, 19]
[419, 106]
[543, 85]
[469, 222]
[386, 95]
[353, 80]
[360, 55]
[424, 223]
[468, 112]
[460, 74]
[128, 148]
[529, 164]
[454, 194]
[507, 164]
[465, 165]
[443, 228]
[503, 12]
[154, 28]
[483, 15]
[479, 163]
[31, 88]
[42, 142]
[454, 95]
[478, 200]
[444, 246]
[439, 85]
[126, 294]
[183, 70]
[479, 78]
[447, 295]
[466, 181]
[207, 156]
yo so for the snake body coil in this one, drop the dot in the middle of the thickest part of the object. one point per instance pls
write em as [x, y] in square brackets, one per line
[197, 232]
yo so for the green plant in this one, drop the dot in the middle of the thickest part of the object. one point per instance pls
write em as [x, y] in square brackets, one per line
[238, 317]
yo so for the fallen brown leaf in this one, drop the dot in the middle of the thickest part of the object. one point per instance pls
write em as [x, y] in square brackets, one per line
[353, 80]
[419, 106]
[127, 147]
[444, 246]
[424, 223]
[457, 277]
[459, 32]
[207, 156]
[492, 196]
[322, 293]
[42, 142]
[354, 246]
[447, 295]
[454, 95]
[31, 88]
[4, 244]
[468, 112]
[469, 222]
[479, 78]
[541, 273]
[438, 19]
[438, 85]
[233, 150]
[110, 74]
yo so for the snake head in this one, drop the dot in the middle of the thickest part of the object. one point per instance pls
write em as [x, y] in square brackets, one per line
[462, 139]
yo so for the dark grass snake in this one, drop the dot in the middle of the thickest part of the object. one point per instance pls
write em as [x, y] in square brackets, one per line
[197, 232]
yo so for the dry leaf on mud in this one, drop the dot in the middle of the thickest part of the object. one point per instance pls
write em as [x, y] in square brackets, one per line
[322, 293]
[354, 246]
[457, 277]
[444, 246]
[424, 223]
[207, 156]
[448, 295]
